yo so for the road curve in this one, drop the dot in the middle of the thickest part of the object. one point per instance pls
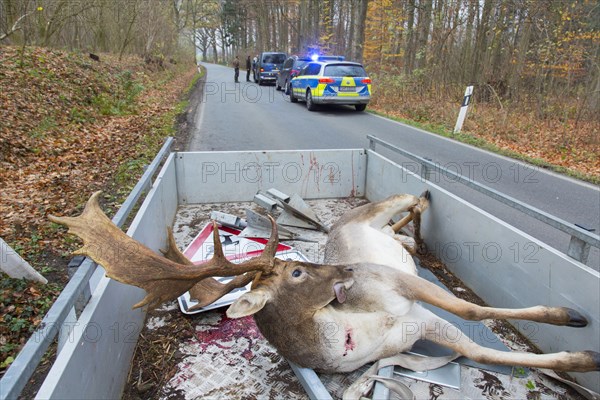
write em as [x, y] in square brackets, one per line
[246, 116]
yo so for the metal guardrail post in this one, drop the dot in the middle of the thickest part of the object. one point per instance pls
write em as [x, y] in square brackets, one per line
[578, 249]
[371, 143]
[425, 173]
[581, 239]
[24, 365]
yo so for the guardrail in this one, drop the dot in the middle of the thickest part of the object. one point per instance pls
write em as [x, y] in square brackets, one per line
[77, 290]
[581, 239]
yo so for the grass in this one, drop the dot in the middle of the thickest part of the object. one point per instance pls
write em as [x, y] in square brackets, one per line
[183, 104]
[121, 102]
[485, 145]
[23, 311]
[164, 125]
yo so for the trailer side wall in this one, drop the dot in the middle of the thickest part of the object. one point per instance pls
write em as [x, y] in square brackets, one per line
[504, 266]
[95, 361]
[213, 177]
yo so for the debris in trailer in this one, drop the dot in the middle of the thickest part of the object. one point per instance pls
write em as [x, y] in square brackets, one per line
[296, 209]
[229, 220]
[265, 202]
[237, 249]
[260, 227]
[296, 212]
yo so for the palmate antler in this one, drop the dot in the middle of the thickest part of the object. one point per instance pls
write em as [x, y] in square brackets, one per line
[128, 261]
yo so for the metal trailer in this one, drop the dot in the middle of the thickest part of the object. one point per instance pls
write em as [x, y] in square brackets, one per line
[503, 265]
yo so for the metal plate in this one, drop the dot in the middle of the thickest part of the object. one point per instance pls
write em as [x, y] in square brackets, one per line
[448, 375]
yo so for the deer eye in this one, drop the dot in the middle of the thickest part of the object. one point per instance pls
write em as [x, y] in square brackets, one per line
[296, 273]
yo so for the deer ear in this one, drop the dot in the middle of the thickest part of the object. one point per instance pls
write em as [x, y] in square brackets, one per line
[248, 303]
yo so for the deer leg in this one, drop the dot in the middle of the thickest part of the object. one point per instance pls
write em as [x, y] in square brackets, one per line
[380, 213]
[414, 215]
[403, 222]
[444, 333]
[416, 288]
[416, 212]
[422, 203]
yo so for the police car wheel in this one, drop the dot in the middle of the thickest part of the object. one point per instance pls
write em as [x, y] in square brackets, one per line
[310, 105]
[360, 107]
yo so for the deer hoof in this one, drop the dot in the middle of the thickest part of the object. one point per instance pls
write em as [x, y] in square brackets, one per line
[576, 320]
[426, 194]
[595, 356]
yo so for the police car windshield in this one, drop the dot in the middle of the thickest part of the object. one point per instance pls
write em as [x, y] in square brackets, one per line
[274, 58]
[344, 70]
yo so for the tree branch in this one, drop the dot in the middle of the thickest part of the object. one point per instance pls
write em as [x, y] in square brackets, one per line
[15, 26]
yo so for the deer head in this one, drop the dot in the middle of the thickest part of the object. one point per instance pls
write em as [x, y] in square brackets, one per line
[296, 287]
[163, 278]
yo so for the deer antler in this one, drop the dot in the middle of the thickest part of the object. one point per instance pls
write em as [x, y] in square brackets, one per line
[208, 290]
[129, 261]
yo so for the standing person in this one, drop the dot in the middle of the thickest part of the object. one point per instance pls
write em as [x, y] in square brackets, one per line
[236, 66]
[248, 66]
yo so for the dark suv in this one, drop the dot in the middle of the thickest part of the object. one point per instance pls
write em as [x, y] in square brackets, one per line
[268, 66]
[291, 68]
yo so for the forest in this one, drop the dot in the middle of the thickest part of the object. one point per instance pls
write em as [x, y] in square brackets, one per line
[534, 65]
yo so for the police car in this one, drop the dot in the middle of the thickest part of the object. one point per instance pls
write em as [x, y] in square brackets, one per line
[331, 82]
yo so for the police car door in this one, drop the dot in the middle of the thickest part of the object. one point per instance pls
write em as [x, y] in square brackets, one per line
[304, 79]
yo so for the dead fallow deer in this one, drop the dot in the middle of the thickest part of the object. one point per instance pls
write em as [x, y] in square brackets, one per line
[361, 306]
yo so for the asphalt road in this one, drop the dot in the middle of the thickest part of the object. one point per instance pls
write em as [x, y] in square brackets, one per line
[246, 116]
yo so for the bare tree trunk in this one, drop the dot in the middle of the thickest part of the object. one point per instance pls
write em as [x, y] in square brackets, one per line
[410, 48]
[466, 58]
[350, 48]
[481, 44]
[423, 30]
[315, 17]
[360, 30]
[128, 36]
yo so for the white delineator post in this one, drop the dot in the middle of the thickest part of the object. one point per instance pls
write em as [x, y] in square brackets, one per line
[12, 263]
[463, 109]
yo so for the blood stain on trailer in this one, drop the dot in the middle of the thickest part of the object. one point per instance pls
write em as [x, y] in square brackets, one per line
[228, 330]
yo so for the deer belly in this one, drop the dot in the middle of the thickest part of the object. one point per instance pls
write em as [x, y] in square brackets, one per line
[357, 340]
